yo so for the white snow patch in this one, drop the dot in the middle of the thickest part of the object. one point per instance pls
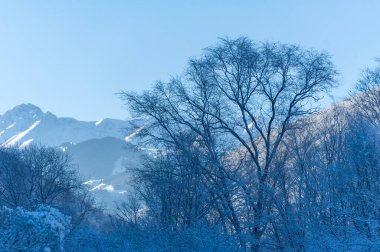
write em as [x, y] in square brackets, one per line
[26, 143]
[92, 181]
[131, 136]
[109, 188]
[10, 126]
[2, 132]
[103, 186]
[64, 149]
[16, 138]
[99, 122]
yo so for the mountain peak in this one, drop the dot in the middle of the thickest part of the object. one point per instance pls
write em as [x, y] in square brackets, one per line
[27, 122]
[26, 108]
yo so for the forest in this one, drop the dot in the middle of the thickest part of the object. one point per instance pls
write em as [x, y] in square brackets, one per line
[244, 155]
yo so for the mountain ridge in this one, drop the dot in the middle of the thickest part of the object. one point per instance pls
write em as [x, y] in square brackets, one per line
[103, 150]
[27, 123]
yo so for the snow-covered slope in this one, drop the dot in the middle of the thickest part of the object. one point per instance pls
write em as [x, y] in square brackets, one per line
[26, 123]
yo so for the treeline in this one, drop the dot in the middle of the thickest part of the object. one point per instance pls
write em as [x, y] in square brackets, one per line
[247, 163]
[44, 205]
[241, 158]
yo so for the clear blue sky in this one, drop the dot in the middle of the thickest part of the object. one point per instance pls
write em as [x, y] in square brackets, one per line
[70, 57]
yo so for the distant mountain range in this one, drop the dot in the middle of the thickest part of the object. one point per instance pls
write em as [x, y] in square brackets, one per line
[103, 150]
[27, 123]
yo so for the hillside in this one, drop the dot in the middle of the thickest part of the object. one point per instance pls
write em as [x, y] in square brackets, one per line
[102, 150]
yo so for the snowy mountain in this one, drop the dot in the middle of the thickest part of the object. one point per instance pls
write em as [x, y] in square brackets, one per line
[103, 150]
[27, 123]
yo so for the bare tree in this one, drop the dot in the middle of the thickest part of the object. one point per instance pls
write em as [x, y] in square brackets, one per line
[366, 97]
[13, 190]
[38, 175]
[42, 175]
[50, 174]
[130, 209]
[239, 96]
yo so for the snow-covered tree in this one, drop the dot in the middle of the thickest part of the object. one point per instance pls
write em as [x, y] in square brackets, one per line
[42, 229]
